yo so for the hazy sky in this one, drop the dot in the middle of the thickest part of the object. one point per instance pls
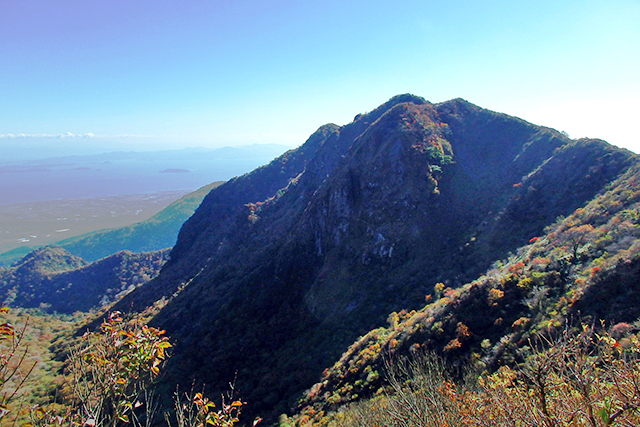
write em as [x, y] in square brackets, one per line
[213, 72]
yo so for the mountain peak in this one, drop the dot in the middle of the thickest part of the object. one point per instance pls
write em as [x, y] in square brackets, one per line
[48, 260]
[406, 97]
[398, 99]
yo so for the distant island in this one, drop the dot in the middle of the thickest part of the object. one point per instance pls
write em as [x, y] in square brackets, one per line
[175, 171]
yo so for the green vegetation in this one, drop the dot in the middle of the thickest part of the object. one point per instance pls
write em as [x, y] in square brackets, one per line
[9, 257]
[29, 372]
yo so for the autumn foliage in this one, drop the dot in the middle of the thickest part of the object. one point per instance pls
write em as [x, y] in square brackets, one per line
[577, 379]
[108, 382]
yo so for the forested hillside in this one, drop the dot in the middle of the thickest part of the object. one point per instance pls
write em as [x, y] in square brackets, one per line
[54, 280]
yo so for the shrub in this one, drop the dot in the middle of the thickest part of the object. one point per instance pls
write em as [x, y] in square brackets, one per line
[109, 377]
[109, 383]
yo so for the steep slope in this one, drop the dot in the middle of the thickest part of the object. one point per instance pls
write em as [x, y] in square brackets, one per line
[207, 232]
[54, 280]
[280, 269]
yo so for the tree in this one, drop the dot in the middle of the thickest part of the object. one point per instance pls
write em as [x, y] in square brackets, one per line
[574, 239]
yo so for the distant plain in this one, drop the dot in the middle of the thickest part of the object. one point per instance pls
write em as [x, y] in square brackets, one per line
[46, 200]
[46, 222]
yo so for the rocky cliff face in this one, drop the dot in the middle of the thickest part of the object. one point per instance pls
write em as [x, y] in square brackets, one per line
[279, 269]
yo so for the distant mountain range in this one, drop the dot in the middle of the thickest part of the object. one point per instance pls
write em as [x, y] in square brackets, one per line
[279, 270]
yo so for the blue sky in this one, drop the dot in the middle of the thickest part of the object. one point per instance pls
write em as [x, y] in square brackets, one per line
[235, 72]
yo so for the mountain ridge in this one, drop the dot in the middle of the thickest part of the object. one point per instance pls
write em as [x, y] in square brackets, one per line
[321, 244]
